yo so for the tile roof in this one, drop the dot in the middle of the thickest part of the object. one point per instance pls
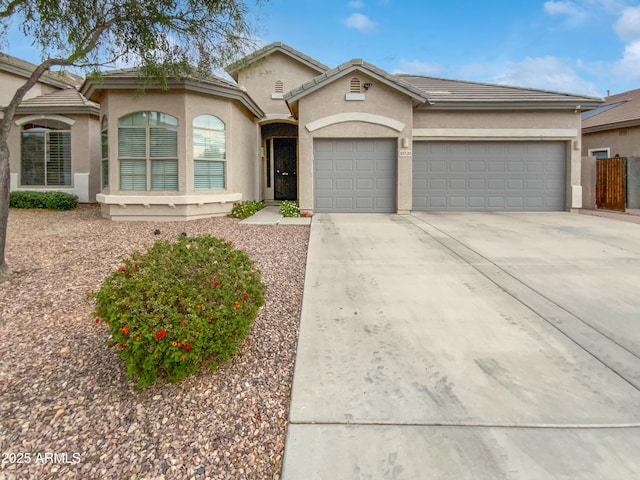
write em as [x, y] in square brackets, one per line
[241, 64]
[56, 78]
[348, 67]
[67, 101]
[444, 93]
[619, 111]
[130, 79]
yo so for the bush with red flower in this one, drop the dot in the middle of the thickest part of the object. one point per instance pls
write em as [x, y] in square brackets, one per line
[178, 306]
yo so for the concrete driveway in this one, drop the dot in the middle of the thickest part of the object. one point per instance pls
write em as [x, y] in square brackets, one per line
[468, 346]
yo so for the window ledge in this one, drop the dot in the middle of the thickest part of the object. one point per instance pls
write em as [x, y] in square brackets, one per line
[355, 96]
[277, 96]
[167, 199]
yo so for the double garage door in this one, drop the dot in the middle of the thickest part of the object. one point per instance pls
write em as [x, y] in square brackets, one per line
[489, 176]
[360, 175]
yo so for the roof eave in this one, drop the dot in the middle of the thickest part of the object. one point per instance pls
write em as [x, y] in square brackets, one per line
[258, 55]
[27, 74]
[318, 83]
[91, 87]
[62, 110]
[612, 126]
[575, 105]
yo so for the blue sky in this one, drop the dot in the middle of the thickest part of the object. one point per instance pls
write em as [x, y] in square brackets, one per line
[577, 46]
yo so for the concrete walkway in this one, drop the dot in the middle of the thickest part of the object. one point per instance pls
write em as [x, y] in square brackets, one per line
[468, 346]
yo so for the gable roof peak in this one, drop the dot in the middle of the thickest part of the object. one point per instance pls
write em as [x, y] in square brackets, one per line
[267, 50]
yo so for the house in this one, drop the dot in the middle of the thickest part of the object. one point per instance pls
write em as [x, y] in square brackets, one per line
[348, 139]
[613, 129]
[54, 139]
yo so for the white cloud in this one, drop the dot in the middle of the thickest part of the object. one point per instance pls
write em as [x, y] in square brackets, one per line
[360, 22]
[417, 67]
[574, 12]
[628, 25]
[549, 73]
[356, 4]
[629, 65]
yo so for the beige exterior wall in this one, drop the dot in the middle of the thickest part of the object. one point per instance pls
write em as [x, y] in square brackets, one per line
[260, 77]
[10, 83]
[385, 113]
[511, 125]
[496, 119]
[242, 162]
[623, 142]
[85, 154]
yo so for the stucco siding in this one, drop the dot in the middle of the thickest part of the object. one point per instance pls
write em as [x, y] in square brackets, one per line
[495, 119]
[380, 101]
[241, 144]
[10, 83]
[625, 145]
[259, 79]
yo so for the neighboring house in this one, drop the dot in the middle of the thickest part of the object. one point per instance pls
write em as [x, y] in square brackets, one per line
[54, 139]
[613, 129]
[350, 139]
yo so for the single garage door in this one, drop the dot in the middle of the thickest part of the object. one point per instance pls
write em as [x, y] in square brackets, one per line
[484, 176]
[354, 175]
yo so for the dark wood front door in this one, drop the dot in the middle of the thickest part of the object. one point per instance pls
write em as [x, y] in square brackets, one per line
[285, 166]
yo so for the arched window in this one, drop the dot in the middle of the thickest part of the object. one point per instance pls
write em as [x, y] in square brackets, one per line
[45, 158]
[148, 149]
[209, 153]
[354, 85]
[104, 143]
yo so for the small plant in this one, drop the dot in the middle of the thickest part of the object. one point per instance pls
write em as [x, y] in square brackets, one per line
[179, 305]
[49, 200]
[289, 208]
[245, 209]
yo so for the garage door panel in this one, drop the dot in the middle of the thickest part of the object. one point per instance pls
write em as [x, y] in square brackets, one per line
[477, 202]
[477, 184]
[489, 176]
[362, 176]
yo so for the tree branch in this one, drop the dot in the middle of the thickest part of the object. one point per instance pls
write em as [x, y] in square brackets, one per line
[11, 8]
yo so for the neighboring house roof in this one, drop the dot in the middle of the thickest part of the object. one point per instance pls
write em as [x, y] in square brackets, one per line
[619, 111]
[458, 94]
[55, 78]
[243, 63]
[67, 101]
[348, 68]
[130, 79]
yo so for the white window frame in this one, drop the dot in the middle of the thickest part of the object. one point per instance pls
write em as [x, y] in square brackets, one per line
[213, 161]
[164, 169]
[67, 174]
[592, 152]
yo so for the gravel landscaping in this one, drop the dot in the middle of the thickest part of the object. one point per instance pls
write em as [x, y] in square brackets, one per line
[66, 408]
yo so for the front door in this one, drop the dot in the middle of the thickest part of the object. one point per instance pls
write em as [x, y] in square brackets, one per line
[285, 166]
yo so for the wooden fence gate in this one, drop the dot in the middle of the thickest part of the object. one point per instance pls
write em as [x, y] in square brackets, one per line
[611, 183]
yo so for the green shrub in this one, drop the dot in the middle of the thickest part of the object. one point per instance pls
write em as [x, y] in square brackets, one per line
[178, 306]
[289, 208]
[38, 199]
[60, 201]
[246, 208]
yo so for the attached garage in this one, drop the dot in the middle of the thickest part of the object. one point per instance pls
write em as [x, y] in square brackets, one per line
[355, 175]
[489, 176]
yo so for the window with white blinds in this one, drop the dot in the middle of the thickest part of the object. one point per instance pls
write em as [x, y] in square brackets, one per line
[45, 157]
[148, 151]
[209, 153]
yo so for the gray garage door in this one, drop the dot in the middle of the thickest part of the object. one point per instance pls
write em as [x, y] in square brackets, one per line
[512, 176]
[354, 175]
